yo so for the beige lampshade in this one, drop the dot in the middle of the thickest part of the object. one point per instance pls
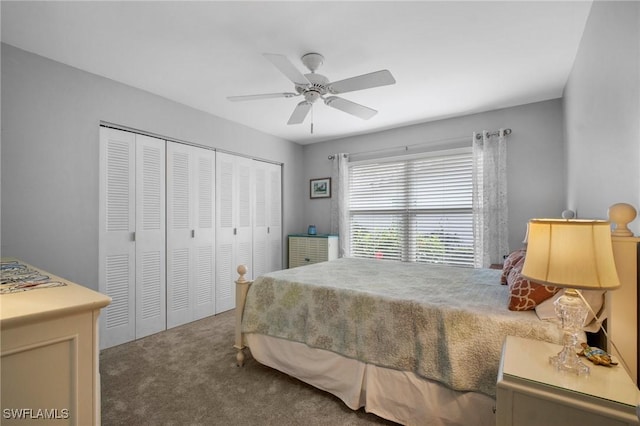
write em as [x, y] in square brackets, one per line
[571, 253]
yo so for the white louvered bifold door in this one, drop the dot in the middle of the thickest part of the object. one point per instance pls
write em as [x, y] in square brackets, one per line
[244, 220]
[267, 228]
[190, 241]
[132, 235]
[190, 224]
[116, 264]
[150, 236]
[204, 235]
[225, 236]
[260, 219]
[234, 229]
[179, 246]
[274, 176]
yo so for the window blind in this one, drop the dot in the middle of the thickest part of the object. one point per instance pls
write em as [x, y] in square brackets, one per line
[416, 209]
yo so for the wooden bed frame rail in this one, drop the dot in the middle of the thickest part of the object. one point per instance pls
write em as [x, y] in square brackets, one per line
[242, 288]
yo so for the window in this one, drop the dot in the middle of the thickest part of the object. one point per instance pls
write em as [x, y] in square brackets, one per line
[416, 209]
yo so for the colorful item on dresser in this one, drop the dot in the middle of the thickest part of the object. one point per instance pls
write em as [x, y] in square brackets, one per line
[16, 277]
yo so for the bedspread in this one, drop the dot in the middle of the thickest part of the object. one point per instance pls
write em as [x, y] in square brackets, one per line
[443, 323]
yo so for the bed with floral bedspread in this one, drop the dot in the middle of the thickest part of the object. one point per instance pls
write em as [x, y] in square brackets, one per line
[442, 323]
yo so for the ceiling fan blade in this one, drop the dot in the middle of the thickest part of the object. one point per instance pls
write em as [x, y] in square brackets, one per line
[263, 96]
[350, 107]
[287, 68]
[365, 81]
[300, 113]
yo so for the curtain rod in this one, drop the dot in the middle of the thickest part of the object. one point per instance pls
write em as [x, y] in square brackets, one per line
[496, 133]
[406, 147]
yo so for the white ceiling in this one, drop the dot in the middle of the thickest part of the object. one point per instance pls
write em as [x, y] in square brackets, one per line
[449, 58]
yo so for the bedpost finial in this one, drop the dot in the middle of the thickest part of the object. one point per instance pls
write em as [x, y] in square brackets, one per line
[242, 271]
[621, 214]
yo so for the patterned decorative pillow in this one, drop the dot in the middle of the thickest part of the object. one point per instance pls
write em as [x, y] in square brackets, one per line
[525, 295]
[510, 261]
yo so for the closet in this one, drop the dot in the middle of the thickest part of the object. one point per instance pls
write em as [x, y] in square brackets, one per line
[175, 222]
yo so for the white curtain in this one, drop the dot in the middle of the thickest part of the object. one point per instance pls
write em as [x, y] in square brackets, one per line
[340, 201]
[490, 226]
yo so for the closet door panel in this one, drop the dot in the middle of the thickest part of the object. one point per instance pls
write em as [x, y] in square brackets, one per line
[117, 263]
[204, 235]
[244, 236]
[179, 235]
[267, 227]
[234, 224]
[274, 230]
[260, 219]
[191, 245]
[150, 236]
[225, 231]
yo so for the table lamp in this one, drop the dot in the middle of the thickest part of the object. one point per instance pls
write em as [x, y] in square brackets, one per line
[575, 254]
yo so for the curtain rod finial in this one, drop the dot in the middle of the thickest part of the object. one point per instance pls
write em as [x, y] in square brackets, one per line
[480, 135]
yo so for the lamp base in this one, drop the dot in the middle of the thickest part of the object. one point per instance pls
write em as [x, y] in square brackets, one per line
[568, 361]
[572, 313]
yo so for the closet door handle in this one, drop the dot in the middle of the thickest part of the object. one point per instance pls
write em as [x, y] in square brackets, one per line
[235, 231]
[193, 233]
[133, 236]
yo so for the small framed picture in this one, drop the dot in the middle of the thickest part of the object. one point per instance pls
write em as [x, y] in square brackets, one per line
[320, 188]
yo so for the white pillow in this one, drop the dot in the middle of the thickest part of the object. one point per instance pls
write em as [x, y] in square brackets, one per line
[595, 298]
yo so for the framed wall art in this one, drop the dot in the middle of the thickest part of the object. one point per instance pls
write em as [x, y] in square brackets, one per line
[320, 188]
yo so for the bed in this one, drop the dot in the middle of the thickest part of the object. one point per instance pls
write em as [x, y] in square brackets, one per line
[412, 343]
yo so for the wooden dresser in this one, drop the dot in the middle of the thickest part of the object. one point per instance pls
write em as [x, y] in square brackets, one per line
[50, 355]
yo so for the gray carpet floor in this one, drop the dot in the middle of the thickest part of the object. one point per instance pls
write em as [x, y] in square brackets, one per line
[187, 376]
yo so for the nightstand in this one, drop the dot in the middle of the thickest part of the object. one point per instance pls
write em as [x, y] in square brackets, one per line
[531, 392]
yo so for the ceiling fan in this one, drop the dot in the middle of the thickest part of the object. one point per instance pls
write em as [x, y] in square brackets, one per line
[314, 86]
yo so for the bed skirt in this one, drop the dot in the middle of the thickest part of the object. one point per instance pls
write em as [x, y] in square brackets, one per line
[399, 396]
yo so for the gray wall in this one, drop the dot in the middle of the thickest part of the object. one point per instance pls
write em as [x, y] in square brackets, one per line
[50, 117]
[602, 113]
[535, 159]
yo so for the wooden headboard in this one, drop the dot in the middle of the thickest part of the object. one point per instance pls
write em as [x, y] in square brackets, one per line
[622, 304]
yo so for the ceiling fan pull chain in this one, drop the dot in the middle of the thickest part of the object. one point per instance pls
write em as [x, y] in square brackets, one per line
[311, 119]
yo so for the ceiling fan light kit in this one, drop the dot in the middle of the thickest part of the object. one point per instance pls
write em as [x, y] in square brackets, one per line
[313, 86]
[312, 61]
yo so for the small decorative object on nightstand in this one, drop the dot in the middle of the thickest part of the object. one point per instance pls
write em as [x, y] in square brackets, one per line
[530, 392]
